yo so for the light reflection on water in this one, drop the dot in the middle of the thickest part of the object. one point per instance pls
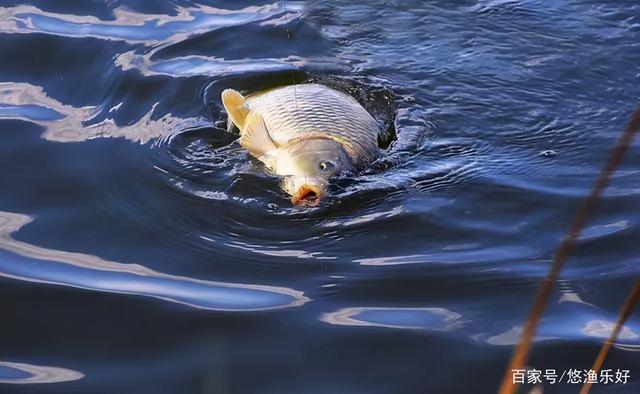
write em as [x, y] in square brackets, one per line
[21, 373]
[199, 65]
[91, 272]
[132, 26]
[588, 324]
[431, 255]
[65, 123]
[438, 319]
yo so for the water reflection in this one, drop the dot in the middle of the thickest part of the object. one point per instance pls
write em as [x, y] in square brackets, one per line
[512, 337]
[65, 123]
[505, 253]
[603, 329]
[134, 27]
[195, 65]
[91, 272]
[277, 251]
[19, 373]
[577, 327]
[597, 231]
[366, 218]
[438, 319]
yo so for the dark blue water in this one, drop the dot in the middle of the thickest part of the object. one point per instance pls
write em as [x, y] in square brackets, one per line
[143, 251]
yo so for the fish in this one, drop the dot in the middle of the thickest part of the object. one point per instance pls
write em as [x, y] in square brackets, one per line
[309, 134]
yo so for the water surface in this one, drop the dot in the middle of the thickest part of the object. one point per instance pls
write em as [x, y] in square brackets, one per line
[143, 251]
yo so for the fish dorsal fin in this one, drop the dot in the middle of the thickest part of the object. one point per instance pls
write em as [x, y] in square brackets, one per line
[236, 107]
[255, 137]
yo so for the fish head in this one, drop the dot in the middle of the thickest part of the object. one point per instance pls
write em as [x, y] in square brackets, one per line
[308, 166]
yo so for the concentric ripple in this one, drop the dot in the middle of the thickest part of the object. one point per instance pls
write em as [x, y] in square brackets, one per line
[132, 222]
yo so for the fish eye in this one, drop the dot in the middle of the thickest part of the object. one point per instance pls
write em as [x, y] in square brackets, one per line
[327, 165]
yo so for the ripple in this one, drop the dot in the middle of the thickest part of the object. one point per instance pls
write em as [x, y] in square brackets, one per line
[195, 65]
[579, 322]
[482, 255]
[28, 112]
[277, 251]
[604, 230]
[134, 27]
[437, 319]
[20, 373]
[208, 164]
[65, 123]
[503, 111]
[512, 337]
[603, 329]
[365, 218]
[93, 273]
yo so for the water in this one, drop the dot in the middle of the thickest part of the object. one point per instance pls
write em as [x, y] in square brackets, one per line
[142, 251]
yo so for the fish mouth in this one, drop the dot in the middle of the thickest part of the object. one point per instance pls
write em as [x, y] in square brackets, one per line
[307, 195]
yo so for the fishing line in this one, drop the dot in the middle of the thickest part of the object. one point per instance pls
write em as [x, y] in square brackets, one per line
[521, 353]
[289, 36]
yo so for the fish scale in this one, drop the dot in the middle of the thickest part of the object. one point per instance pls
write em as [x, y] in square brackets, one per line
[315, 111]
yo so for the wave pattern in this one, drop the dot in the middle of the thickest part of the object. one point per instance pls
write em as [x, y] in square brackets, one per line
[133, 225]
